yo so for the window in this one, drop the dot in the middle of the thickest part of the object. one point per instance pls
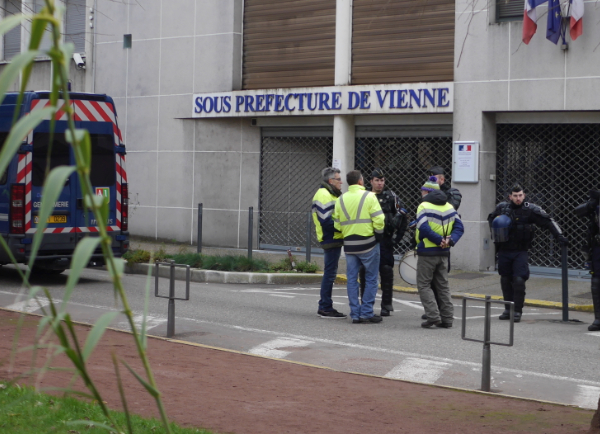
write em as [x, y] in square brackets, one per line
[104, 166]
[60, 155]
[103, 173]
[509, 10]
[75, 19]
[12, 39]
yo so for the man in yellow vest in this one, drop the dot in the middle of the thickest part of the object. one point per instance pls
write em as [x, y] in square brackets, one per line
[360, 218]
[438, 228]
[330, 239]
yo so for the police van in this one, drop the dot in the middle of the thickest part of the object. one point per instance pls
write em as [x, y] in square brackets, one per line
[21, 184]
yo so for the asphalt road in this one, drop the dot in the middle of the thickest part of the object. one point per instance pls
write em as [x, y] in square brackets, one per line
[550, 360]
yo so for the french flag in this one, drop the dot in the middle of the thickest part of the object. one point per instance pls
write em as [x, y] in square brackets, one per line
[530, 18]
[576, 25]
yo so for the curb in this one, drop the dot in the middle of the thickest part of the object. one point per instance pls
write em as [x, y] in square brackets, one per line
[210, 276]
[341, 278]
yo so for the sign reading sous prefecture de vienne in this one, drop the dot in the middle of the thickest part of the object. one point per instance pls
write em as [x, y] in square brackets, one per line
[334, 100]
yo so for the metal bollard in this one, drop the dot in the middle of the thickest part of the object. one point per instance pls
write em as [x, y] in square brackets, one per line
[308, 236]
[250, 229]
[486, 368]
[171, 308]
[565, 284]
[199, 228]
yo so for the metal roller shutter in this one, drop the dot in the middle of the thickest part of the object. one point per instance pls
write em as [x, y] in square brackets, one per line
[75, 19]
[402, 42]
[291, 161]
[12, 39]
[288, 43]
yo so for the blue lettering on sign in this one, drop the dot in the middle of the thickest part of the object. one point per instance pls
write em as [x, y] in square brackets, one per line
[227, 104]
[442, 94]
[364, 100]
[336, 104]
[401, 102]
[249, 103]
[260, 99]
[287, 101]
[206, 105]
[270, 98]
[301, 100]
[278, 101]
[309, 101]
[380, 98]
[428, 96]
[353, 100]
[324, 101]
[414, 97]
[198, 108]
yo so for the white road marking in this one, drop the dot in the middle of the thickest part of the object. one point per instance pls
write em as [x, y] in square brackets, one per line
[341, 304]
[587, 396]
[269, 349]
[282, 295]
[597, 334]
[151, 322]
[476, 366]
[421, 370]
[30, 305]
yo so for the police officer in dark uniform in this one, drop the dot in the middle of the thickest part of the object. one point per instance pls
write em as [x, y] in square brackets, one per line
[591, 249]
[513, 227]
[395, 226]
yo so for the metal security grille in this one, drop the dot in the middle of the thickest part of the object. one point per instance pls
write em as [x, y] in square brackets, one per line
[405, 157]
[290, 175]
[557, 164]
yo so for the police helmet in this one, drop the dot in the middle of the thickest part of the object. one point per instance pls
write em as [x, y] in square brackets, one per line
[501, 228]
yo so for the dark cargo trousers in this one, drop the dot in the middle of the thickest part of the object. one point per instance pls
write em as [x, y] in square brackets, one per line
[434, 269]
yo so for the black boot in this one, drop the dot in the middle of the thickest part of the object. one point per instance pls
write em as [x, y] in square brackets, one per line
[595, 326]
[507, 292]
[519, 295]
[362, 282]
[387, 289]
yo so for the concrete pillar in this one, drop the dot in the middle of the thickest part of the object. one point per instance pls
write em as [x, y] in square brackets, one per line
[343, 125]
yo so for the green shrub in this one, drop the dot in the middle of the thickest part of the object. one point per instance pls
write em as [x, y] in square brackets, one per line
[307, 267]
[137, 256]
[220, 263]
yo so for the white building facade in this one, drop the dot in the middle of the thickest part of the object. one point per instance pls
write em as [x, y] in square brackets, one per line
[237, 104]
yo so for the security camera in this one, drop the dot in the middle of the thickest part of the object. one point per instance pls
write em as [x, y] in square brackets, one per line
[79, 61]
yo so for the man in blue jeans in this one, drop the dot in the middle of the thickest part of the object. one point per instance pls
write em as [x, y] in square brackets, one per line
[330, 239]
[360, 218]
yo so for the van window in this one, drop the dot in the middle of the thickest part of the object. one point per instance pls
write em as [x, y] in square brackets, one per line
[103, 173]
[61, 155]
[104, 169]
[4, 176]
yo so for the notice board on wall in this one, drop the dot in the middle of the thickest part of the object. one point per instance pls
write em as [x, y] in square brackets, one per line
[465, 162]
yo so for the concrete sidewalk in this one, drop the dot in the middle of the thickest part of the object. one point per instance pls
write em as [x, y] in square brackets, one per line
[542, 291]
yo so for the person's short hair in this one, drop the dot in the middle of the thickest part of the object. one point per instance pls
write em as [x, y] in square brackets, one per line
[329, 173]
[516, 188]
[437, 170]
[353, 177]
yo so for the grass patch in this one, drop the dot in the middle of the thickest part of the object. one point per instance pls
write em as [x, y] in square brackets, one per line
[223, 263]
[24, 411]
